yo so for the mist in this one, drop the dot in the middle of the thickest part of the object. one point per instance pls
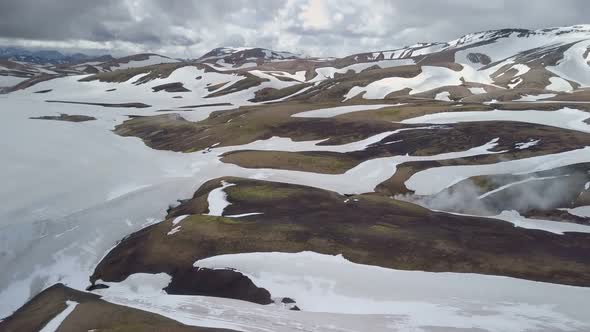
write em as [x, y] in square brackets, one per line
[522, 193]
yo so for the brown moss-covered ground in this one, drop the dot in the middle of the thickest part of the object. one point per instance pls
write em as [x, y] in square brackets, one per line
[368, 229]
[424, 142]
[91, 314]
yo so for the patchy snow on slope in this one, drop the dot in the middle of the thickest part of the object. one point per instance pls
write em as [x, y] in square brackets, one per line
[536, 97]
[174, 230]
[175, 223]
[566, 118]
[477, 91]
[506, 186]
[413, 299]
[504, 48]
[274, 82]
[70, 89]
[8, 81]
[339, 110]
[329, 72]
[179, 219]
[364, 177]
[521, 69]
[514, 82]
[54, 323]
[298, 76]
[242, 215]
[573, 66]
[434, 180]
[444, 96]
[557, 227]
[526, 145]
[151, 60]
[430, 78]
[580, 211]
[559, 84]
[141, 283]
[217, 200]
[238, 315]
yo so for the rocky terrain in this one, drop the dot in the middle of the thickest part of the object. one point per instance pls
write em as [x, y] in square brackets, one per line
[436, 187]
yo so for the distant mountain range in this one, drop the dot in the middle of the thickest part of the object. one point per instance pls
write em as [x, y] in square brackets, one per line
[43, 57]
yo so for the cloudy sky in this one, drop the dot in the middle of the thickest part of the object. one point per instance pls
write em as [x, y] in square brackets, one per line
[314, 27]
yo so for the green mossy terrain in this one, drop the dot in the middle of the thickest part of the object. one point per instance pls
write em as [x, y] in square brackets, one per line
[91, 314]
[368, 229]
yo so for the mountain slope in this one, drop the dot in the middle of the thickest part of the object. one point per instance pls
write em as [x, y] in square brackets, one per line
[437, 187]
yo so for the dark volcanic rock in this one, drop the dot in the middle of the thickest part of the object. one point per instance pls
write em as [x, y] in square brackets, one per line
[96, 286]
[219, 283]
[130, 105]
[479, 58]
[65, 117]
[44, 91]
[171, 87]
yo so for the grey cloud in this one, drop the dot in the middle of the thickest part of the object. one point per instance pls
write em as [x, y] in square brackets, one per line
[316, 27]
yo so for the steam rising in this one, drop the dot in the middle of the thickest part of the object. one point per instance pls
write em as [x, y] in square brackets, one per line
[499, 193]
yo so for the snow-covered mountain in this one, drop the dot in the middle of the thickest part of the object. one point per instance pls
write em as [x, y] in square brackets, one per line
[47, 57]
[255, 190]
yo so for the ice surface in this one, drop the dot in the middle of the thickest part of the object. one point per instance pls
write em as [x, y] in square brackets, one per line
[332, 284]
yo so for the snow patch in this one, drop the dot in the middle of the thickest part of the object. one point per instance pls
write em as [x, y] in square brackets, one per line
[477, 91]
[444, 96]
[434, 180]
[179, 219]
[526, 145]
[559, 84]
[536, 97]
[557, 227]
[430, 78]
[174, 230]
[566, 118]
[54, 324]
[580, 211]
[331, 284]
[140, 283]
[217, 200]
[244, 215]
[335, 111]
